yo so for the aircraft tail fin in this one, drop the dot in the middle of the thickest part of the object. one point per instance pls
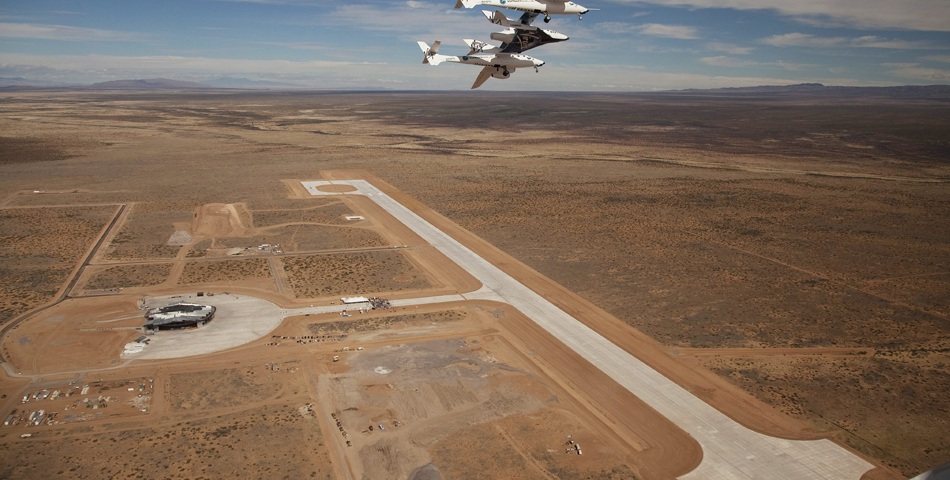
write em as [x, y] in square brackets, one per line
[431, 54]
[478, 46]
[497, 17]
[466, 3]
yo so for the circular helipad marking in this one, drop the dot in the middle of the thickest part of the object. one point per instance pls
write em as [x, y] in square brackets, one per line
[382, 370]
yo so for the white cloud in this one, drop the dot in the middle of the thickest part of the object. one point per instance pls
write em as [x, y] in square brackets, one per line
[435, 22]
[424, 5]
[793, 67]
[323, 74]
[724, 61]
[871, 41]
[938, 58]
[399, 18]
[304, 3]
[926, 75]
[900, 64]
[867, 41]
[729, 48]
[905, 14]
[63, 32]
[680, 32]
[166, 64]
[300, 46]
[616, 27]
[628, 78]
[731, 62]
[803, 40]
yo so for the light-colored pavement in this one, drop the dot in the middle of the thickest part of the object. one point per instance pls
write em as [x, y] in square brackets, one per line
[240, 319]
[730, 451]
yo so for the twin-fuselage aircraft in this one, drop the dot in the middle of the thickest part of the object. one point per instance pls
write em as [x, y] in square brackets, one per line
[518, 36]
[547, 7]
[498, 65]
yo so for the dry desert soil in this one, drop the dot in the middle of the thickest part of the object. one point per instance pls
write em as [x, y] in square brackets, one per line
[784, 257]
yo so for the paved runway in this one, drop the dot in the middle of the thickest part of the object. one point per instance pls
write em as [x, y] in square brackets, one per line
[730, 451]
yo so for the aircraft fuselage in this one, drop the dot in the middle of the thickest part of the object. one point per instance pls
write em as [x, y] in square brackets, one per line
[506, 60]
[536, 6]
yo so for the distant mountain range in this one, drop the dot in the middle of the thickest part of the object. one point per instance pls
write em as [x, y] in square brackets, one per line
[7, 82]
[10, 83]
[240, 82]
[813, 89]
[149, 84]
[802, 89]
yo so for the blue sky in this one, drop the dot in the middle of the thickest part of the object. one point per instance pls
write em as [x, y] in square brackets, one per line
[626, 45]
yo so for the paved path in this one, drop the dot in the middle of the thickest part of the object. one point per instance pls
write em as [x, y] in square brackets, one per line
[730, 451]
[241, 319]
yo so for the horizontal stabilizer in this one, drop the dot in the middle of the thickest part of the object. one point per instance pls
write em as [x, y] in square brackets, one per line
[478, 46]
[431, 54]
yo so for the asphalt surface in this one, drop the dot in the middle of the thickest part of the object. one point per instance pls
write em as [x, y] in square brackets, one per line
[730, 450]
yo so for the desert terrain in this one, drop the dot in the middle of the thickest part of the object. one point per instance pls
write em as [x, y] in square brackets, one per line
[784, 258]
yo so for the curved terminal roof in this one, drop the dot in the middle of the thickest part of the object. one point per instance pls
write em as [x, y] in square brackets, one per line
[178, 314]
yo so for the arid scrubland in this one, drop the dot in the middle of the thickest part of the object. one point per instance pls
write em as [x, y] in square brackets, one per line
[39, 248]
[125, 276]
[223, 271]
[325, 275]
[729, 227]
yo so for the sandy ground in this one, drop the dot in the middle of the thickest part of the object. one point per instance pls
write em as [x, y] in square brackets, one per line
[245, 320]
[680, 219]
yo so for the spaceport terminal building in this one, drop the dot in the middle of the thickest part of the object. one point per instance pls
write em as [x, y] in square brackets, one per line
[178, 315]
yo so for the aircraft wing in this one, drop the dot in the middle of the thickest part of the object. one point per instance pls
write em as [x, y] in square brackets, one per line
[520, 34]
[482, 76]
[528, 17]
[526, 39]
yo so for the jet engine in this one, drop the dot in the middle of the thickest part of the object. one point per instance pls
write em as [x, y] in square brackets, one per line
[506, 36]
[501, 73]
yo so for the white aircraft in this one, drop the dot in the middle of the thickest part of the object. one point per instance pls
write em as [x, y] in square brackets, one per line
[498, 65]
[518, 36]
[546, 7]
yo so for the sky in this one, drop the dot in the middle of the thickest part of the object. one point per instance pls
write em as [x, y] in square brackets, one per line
[623, 45]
